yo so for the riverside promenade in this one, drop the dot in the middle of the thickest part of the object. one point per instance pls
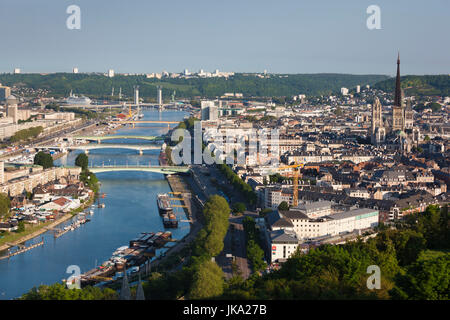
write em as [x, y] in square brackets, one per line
[43, 229]
[36, 233]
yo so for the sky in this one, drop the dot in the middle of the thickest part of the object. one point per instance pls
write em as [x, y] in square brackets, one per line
[283, 36]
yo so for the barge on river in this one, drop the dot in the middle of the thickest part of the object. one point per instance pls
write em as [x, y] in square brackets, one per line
[164, 205]
[139, 251]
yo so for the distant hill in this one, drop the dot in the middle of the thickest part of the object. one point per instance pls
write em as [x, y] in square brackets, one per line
[438, 85]
[96, 85]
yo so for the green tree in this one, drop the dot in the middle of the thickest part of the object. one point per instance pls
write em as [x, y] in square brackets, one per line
[408, 245]
[239, 207]
[58, 291]
[426, 279]
[82, 161]
[256, 255]
[20, 227]
[208, 281]
[338, 111]
[5, 204]
[283, 206]
[90, 179]
[26, 134]
[43, 159]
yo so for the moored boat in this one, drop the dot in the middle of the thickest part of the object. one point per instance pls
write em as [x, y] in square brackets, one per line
[164, 206]
[170, 221]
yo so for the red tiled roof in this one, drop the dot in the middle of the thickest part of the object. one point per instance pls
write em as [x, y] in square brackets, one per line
[61, 201]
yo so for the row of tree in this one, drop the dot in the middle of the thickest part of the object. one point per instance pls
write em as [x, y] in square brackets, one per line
[59, 291]
[255, 253]
[26, 134]
[238, 183]
[201, 278]
[208, 278]
[5, 205]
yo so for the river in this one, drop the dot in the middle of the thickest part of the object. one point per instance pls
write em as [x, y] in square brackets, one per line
[130, 209]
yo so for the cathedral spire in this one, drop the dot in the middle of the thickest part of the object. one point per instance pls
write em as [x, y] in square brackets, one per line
[398, 88]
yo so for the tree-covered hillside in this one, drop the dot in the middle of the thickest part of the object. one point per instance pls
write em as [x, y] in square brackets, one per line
[97, 85]
[438, 85]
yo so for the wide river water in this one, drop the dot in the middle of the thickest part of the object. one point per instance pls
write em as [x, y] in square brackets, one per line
[130, 209]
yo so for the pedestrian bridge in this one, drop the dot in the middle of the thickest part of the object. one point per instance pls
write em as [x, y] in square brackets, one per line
[101, 138]
[93, 146]
[155, 169]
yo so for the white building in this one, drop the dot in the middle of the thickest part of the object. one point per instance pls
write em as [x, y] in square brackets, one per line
[286, 227]
[209, 110]
[110, 73]
[358, 193]
[75, 70]
[16, 70]
[344, 91]
[283, 245]
[358, 89]
[274, 196]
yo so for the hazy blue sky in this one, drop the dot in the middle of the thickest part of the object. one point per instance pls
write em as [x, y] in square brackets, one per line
[283, 36]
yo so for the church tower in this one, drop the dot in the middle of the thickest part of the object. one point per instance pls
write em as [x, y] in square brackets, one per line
[398, 112]
[409, 115]
[377, 131]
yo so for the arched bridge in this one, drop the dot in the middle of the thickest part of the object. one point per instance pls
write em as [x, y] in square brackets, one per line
[94, 146]
[156, 169]
[101, 138]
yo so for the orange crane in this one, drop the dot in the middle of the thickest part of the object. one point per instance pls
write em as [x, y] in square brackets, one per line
[296, 168]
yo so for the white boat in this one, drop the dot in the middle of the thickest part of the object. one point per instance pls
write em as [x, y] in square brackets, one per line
[75, 100]
[120, 250]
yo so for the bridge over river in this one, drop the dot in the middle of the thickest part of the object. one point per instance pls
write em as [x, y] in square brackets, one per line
[95, 146]
[156, 169]
[98, 139]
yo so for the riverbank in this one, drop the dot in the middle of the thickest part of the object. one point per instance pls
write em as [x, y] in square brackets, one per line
[179, 185]
[178, 253]
[35, 231]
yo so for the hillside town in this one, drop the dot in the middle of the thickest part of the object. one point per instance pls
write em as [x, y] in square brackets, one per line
[346, 163]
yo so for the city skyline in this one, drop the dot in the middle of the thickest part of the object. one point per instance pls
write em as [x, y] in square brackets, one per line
[287, 38]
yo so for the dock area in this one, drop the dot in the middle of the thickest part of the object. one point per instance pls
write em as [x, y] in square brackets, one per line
[22, 249]
[138, 253]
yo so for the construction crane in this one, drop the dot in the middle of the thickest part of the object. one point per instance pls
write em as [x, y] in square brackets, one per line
[130, 114]
[296, 168]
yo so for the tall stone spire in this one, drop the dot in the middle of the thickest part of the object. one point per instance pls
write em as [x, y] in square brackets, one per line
[140, 290]
[398, 88]
[125, 293]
